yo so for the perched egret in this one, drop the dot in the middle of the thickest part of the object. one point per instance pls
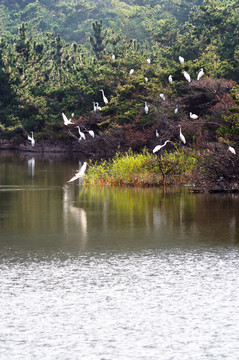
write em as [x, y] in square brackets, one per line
[31, 138]
[104, 97]
[94, 107]
[146, 79]
[170, 79]
[131, 71]
[113, 57]
[66, 121]
[91, 132]
[80, 173]
[156, 133]
[146, 108]
[200, 74]
[158, 147]
[97, 106]
[181, 59]
[162, 96]
[193, 116]
[148, 61]
[187, 76]
[182, 137]
[176, 110]
[232, 150]
[82, 135]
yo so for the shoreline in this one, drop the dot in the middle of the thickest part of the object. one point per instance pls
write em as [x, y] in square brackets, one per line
[59, 148]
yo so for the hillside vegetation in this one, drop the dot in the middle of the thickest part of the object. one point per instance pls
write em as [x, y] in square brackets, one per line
[56, 56]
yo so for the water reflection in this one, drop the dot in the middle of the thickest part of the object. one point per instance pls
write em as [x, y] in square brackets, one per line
[87, 269]
[31, 166]
[49, 212]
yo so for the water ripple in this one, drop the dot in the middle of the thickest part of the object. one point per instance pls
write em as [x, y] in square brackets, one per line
[148, 305]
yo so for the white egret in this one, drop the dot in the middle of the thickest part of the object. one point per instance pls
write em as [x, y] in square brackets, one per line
[94, 107]
[232, 150]
[162, 96]
[158, 147]
[113, 57]
[66, 121]
[104, 97]
[156, 133]
[97, 106]
[200, 74]
[170, 79]
[79, 174]
[193, 116]
[131, 71]
[176, 110]
[82, 135]
[146, 108]
[187, 76]
[148, 61]
[91, 132]
[31, 138]
[181, 59]
[72, 115]
[182, 137]
[146, 79]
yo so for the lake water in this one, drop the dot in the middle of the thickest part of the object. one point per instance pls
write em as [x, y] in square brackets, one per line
[113, 273]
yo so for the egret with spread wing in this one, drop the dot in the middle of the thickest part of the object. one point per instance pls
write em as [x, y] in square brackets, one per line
[66, 121]
[79, 174]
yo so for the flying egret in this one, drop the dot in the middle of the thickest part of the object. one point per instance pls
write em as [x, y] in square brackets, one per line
[170, 79]
[193, 116]
[146, 108]
[104, 97]
[131, 71]
[200, 74]
[187, 76]
[158, 147]
[79, 174]
[156, 133]
[182, 137]
[181, 59]
[162, 96]
[113, 57]
[148, 61]
[176, 110]
[66, 121]
[232, 150]
[91, 132]
[31, 138]
[82, 135]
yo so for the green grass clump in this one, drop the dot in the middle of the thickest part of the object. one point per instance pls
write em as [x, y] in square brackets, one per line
[144, 169]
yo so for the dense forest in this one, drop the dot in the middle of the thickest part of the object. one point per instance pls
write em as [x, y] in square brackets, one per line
[56, 56]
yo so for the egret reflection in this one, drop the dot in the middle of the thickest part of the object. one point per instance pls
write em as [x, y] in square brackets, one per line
[31, 166]
[75, 218]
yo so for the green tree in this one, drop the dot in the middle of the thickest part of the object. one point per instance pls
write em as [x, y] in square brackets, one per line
[98, 40]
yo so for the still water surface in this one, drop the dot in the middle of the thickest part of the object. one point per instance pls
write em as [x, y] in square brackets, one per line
[104, 274]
